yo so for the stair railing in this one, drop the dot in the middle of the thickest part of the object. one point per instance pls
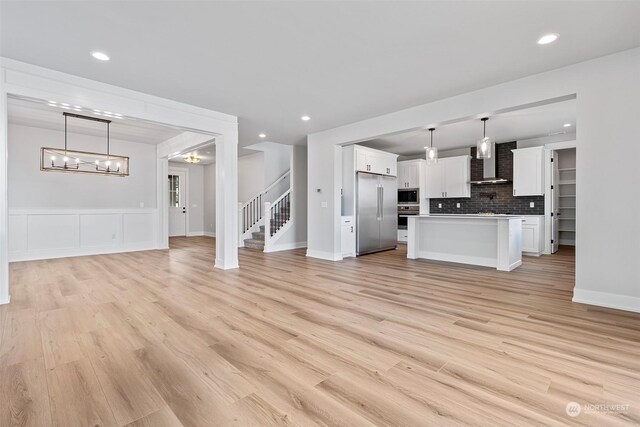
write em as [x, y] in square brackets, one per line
[251, 213]
[278, 214]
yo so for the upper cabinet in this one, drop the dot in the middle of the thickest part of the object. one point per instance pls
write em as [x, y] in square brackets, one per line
[374, 161]
[409, 174]
[528, 171]
[448, 178]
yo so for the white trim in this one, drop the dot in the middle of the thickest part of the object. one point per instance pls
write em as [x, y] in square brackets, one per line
[605, 299]
[329, 256]
[76, 252]
[201, 233]
[5, 301]
[286, 247]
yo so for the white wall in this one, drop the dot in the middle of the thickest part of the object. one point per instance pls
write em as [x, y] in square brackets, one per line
[608, 110]
[30, 188]
[210, 199]
[250, 176]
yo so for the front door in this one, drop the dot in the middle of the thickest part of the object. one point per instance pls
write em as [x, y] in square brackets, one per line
[177, 204]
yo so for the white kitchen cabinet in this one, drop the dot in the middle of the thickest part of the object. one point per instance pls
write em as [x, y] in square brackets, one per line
[528, 171]
[374, 161]
[348, 237]
[532, 235]
[409, 174]
[448, 178]
[403, 236]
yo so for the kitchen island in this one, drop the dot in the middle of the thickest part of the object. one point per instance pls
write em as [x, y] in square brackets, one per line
[486, 240]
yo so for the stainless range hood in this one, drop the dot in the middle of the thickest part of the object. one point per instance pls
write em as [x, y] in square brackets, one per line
[489, 170]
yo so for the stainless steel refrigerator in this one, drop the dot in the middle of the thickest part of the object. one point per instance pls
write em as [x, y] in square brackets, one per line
[376, 213]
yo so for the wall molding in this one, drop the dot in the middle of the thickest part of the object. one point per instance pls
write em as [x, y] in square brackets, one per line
[605, 299]
[36, 234]
[329, 256]
[201, 233]
[287, 247]
[76, 252]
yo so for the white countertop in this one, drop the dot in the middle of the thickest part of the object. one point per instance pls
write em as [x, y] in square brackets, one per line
[470, 216]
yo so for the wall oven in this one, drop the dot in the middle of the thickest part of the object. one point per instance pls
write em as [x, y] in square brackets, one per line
[408, 196]
[403, 212]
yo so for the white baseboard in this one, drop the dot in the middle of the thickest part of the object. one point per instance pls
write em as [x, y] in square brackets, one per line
[75, 252]
[329, 256]
[222, 266]
[287, 247]
[201, 233]
[605, 299]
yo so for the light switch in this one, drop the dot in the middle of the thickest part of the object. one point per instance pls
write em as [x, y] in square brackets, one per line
[439, 205]
[457, 205]
[532, 205]
[324, 204]
[142, 204]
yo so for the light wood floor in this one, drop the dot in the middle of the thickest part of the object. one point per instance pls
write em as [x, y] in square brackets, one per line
[160, 338]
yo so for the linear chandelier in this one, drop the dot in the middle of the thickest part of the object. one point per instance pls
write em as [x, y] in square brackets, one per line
[65, 160]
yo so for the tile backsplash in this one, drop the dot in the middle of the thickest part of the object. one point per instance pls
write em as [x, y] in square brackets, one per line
[496, 198]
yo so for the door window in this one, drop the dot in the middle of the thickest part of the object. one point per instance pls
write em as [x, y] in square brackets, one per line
[174, 191]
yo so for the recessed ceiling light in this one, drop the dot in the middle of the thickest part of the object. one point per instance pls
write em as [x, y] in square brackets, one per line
[305, 118]
[64, 105]
[262, 135]
[207, 152]
[548, 38]
[101, 56]
[567, 125]
[77, 109]
[52, 102]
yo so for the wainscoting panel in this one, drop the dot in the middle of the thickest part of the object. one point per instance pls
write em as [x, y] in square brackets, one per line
[44, 234]
[55, 231]
[139, 229]
[100, 230]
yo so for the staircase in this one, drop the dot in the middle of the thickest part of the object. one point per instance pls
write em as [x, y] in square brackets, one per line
[262, 223]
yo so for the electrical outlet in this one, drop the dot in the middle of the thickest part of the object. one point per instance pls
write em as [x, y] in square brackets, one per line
[532, 205]
[142, 204]
[324, 204]
[113, 236]
[439, 205]
[458, 205]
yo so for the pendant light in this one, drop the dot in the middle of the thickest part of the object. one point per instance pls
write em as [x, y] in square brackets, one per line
[432, 152]
[483, 150]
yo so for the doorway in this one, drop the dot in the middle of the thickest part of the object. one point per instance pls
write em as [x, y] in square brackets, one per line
[563, 198]
[178, 196]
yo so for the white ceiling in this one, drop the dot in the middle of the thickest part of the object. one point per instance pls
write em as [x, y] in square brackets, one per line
[41, 115]
[206, 154]
[516, 125]
[271, 62]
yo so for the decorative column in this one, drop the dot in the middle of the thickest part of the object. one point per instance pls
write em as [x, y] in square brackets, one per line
[227, 199]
